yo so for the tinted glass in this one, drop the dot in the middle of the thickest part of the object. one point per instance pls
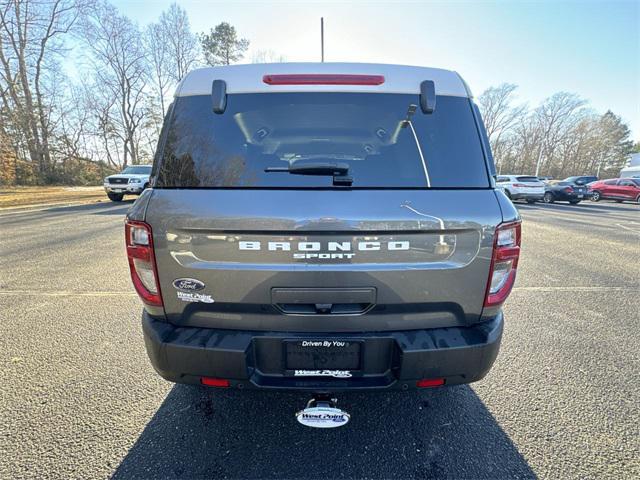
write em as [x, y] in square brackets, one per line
[138, 170]
[527, 179]
[366, 131]
[636, 182]
[610, 182]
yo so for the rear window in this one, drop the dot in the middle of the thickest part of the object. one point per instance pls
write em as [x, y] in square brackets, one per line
[363, 130]
[528, 179]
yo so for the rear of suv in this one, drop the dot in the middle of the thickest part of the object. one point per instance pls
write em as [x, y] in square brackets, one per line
[522, 187]
[323, 227]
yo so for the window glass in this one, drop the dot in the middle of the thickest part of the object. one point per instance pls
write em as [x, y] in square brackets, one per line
[365, 131]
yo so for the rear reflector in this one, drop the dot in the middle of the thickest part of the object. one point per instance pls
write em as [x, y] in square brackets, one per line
[214, 382]
[323, 79]
[430, 382]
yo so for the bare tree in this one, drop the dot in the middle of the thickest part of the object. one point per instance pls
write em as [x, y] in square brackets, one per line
[182, 44]
[555, 118]
[31, 34]
[120, 74]
[499, 115]
[158, 55]
[267, 56]
[172, 49]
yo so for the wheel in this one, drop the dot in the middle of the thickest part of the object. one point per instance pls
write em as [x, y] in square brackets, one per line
[115, 197]
[508, 194]
[531, 201]
[548, 197]
[574, 202]
[596, 196]
[618, 201]
[638, 200]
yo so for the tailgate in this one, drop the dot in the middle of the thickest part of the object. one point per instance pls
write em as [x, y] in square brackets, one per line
[319, 261]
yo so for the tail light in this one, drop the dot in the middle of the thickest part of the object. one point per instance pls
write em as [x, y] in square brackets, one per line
[504, 263]
[142, 262]
[322, 79]
[520, 185]
[569, 189]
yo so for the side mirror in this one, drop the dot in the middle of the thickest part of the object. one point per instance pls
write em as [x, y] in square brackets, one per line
[428, 96]
[219, 96]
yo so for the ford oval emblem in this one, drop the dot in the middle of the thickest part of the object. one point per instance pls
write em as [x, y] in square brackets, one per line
[188, 284]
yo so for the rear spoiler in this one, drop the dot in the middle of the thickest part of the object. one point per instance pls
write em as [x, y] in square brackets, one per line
[427, 87]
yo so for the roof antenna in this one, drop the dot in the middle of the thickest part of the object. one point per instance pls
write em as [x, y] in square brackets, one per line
[322, 39]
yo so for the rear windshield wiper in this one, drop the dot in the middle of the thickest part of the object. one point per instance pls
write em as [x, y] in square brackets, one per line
[337, 170]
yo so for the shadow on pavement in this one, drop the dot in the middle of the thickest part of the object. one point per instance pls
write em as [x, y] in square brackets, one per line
[209, 433]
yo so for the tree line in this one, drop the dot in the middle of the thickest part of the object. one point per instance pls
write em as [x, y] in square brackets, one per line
[561, 137]
[84, 90]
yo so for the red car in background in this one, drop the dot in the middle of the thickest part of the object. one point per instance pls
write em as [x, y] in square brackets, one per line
[618, 189]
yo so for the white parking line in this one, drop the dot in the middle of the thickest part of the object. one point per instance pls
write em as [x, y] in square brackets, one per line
[627, 228]
[66, 293]
[576, 289]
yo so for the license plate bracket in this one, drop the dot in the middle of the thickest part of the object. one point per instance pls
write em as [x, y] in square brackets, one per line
[323, 354]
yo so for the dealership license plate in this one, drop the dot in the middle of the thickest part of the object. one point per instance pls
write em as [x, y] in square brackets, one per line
[322, 354]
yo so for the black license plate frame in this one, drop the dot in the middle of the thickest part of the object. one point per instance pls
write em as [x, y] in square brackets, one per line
[318, 355]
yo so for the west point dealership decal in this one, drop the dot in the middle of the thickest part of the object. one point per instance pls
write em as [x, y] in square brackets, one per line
[324, 250]
[194, 297]
[323, 373]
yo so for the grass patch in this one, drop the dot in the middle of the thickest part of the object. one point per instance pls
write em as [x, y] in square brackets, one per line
[29, 196]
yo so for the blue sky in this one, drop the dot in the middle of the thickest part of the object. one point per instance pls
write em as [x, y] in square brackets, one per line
[591, 48]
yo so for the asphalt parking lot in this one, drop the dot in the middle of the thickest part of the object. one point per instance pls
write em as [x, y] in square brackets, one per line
[78, 398]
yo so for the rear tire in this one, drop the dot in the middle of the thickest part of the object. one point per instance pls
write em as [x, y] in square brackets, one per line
[548, 197]
[115, 197]
[638, 200]
[596, 196]
[508, 194]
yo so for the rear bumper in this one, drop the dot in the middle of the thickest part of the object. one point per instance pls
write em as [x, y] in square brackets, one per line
[255, 360]
[572, 196]
[527, 196]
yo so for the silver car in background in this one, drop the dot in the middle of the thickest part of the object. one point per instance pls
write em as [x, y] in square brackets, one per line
[522, 187]
[131, 181]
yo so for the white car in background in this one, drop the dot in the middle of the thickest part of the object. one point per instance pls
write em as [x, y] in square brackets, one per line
[521, 187]
[131, 181]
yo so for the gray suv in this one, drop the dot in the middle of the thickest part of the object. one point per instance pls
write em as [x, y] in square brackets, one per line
[323, 227]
